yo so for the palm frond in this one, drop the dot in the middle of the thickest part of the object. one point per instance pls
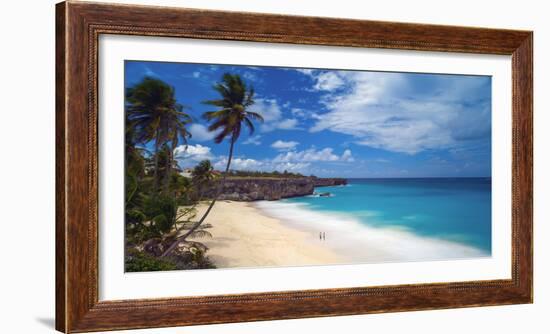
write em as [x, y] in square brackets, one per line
[218, 124]
[249, 98]
[216, 103]
[186, 225]
[249, 124]
[199, 233]
[221, 136]
[236, 97]
[210, 115]
[254, 115]
[222, 89]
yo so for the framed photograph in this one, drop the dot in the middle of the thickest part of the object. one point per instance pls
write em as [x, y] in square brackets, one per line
[221, 167]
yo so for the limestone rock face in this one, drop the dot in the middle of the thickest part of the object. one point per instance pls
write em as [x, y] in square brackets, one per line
[327, 182]
[246, 189]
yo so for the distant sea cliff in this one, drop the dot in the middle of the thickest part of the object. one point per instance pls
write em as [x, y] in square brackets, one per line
[246, 189]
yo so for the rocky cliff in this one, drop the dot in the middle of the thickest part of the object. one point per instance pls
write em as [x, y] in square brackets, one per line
[269, 188]
[326, 182]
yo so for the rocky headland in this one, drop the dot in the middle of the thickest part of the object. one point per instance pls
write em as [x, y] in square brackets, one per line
[246, 189]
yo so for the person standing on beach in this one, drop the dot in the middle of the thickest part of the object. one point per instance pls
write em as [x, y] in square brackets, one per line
[320, 235]
[323, 236]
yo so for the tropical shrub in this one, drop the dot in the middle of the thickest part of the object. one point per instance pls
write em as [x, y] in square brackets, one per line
[137, 261]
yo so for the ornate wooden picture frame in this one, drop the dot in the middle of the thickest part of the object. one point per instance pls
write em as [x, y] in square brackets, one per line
[78, 27]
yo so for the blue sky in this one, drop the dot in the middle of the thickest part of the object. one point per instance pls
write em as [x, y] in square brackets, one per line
[341, 123]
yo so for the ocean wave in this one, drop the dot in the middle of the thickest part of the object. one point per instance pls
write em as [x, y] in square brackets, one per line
[319, 195]
[366, 243]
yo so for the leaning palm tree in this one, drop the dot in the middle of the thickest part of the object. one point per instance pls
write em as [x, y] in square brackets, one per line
[236, 99]
[155, 115]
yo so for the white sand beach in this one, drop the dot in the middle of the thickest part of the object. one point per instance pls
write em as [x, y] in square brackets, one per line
[245, 237]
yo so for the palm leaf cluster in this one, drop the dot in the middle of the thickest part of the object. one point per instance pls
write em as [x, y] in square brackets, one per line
[153, 114]
[235, 100]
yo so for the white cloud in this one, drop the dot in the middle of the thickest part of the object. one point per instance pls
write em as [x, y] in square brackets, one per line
[287, 124]
[313, 155]
[284, 145]
[292, 166]
[376, 110]
[305, 71]
[292, 161]
[196, 74]
[303, 113]
[200, 132]
[328, 81]
[250, 76]
[253, 140]
[324, 80]
[298, 112]
[346, 156]
[273, 115]
[268, 108]
[149, 72]
[192, 153]
[239, 164]
[261, 165]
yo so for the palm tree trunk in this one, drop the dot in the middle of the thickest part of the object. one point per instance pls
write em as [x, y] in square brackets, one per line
[168, 172]
[155, 172]
[218, 192]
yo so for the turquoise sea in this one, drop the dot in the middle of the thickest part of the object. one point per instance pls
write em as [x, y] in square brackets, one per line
[418, 218]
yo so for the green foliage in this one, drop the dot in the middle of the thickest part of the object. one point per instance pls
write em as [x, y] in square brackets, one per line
[137, 261]
[196, 259]
[131, 187]
[138, 233]
[202, 175]
[135, 165]
[154, 216]
[201, 260]
[153, 114]
[233, 106]
[245, 173]
[135, 216]
[164, 162]
[153, 111]
[161, 210]
[203, 171]
[182, 188]
[154, 191]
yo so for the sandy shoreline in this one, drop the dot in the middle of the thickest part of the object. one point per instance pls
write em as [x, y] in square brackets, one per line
[243, 236]
[271, 234]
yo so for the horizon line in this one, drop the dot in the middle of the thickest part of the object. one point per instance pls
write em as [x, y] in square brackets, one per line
[411, 177]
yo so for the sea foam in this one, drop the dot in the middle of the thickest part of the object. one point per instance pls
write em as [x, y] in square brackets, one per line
[360, 242]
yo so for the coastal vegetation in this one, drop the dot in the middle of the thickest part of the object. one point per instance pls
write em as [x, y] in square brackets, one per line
[160, 203]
